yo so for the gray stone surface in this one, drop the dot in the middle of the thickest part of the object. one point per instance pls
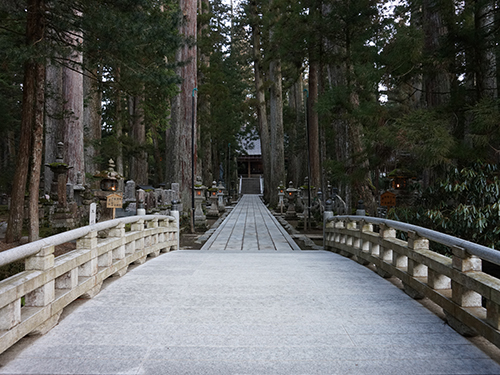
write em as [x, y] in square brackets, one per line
[250, 227]
[248, 312]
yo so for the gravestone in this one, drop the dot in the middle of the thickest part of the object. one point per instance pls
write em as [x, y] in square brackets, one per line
[169, 196]
[176, 189]
[164, 200]
[129, 195]
[150, 201]
[140, 197]
[158, 197]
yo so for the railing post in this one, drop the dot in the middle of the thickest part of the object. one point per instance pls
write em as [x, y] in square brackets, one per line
[163, 237]
[119, 252]
[385, 254]
[10, 315]
[415, 269]
[460, 294]
[89, 269]
[45, 294]
[362, 245]
[351, 225]
[339, 238]
[327, 215]
[175, 214]
[138, 226]
[464, 262]
[41, 261]
[153, 238]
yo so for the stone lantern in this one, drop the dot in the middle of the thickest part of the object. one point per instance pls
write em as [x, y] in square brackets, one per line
[220, 196]
[291, 194]
[109, 181]
[60, 171]
[281, 195]
[305, 192]
[200, 220]
[109, 185]
[214, 210]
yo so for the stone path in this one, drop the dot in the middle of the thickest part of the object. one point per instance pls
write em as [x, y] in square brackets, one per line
[255, 312]
[251, 227]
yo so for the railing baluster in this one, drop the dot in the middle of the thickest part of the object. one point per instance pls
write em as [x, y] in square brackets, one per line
[118, 253]
[45, 294]
[458, 284]
[415, 269]
[48, 285]
[10, 315]
[90, 268]
[385, 253]
[465, 262]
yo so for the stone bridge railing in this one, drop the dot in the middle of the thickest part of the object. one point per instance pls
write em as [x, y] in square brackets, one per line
[32, 301]
[469, 297]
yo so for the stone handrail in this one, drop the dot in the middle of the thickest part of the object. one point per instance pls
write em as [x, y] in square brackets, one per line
[470, 298]
[32, 301]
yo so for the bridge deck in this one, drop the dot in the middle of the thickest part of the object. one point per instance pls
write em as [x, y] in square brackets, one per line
[235, 312]
[250, 227]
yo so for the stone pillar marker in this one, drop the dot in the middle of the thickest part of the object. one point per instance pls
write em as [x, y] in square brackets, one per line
[93, 213]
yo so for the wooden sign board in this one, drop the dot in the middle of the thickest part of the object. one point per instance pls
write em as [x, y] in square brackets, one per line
[114, 201]
[388, 199]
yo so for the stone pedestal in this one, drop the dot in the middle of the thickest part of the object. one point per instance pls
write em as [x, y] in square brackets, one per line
[105, 213]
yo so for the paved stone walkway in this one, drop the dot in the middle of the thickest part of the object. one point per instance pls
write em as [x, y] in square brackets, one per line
[250, 227]
[237, 312]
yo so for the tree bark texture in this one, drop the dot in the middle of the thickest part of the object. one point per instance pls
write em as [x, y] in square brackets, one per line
[297, 155]
[35, 27]
[53, 119]
[277, 131]
[138, 161]
[263, 125]
[313, 124]
[205, 166]
[487, 68]
[119, 121]
[73, 112]
[91, 120]
[436, 79]
[181, 119]
[36, 156]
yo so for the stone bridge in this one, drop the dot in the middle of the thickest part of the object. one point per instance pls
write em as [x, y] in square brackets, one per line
[250, 302]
